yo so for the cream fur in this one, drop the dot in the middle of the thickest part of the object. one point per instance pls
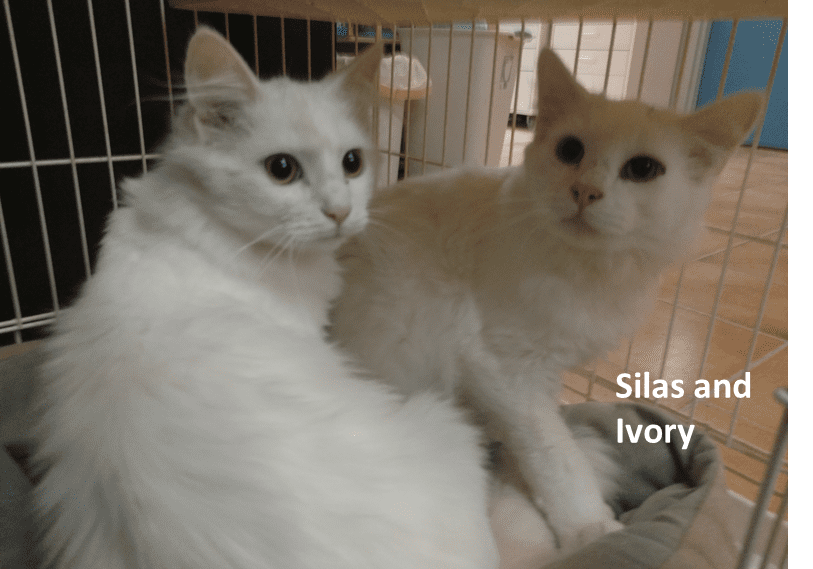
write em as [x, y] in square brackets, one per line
[488, 284]
[195, 416]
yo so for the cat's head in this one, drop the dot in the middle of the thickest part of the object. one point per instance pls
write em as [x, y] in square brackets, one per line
[282, 162]
[619, 175]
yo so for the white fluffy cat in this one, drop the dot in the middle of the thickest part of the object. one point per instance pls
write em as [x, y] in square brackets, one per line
[489, 283]
[196, 417]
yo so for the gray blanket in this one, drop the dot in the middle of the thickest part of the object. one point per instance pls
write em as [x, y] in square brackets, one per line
[17, 388]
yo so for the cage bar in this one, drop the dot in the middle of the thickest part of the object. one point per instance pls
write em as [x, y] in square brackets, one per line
[135, 84]
[256, 45]
[768, 483]
[333, 45]
[516, 94]
[307, 44]
[609, 57]
[15, 325]
[446, 107]
[282, 43]
[407, 103]
[783, 563]
[578, 47]
[685, 32]
[645, 59]
[166, 54]
[778, 523]
[392, 93]
[40, 162]
[468, 92]
[491, 95]
[729, 50]
[108, 151]
[74, 175]
[30, 141]
[426, 103]
[549, 34]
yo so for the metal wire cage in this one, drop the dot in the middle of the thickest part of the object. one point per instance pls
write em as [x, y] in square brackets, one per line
[94, 87]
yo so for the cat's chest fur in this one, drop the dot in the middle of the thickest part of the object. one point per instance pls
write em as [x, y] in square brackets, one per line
[162, 277]
[546, 301]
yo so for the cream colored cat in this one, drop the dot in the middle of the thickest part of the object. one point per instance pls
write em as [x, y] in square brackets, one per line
[196, 417]
[488, 284]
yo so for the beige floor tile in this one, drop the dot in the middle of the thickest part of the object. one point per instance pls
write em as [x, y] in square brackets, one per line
[745, 276]
[765, 197]
[768, 166]
[600, 392]
[711, 242]
[761, 211]
[575, 382]
[772, 237]
[727, 351]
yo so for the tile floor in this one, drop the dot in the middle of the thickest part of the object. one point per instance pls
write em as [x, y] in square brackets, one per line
[745, 429]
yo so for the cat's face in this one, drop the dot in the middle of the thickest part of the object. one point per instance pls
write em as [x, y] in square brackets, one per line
[284, 163]
[619, 174]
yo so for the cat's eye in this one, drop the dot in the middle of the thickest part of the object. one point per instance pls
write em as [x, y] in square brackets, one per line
[352, 163]
[642, 169]
[570, 150]
[283, 168]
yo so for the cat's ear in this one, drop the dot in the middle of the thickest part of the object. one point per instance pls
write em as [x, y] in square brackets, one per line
[361, 75]
[218, 81]
[726, 123]
[559, 94]
[359, 80]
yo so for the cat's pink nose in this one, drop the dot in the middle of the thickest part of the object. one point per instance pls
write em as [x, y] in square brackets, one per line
[584, 195]
[337, 214]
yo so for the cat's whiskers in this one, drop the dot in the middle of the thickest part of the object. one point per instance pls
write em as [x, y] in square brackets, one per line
[273, 253]
[260, 237]
[523, 216]
[384, 225]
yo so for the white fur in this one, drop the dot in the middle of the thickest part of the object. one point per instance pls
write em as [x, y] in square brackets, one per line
[195, 416]
[489, 284]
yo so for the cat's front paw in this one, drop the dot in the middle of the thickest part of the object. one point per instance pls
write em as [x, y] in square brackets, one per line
[572, 539]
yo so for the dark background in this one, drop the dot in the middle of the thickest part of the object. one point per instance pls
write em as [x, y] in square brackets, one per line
[37, 61]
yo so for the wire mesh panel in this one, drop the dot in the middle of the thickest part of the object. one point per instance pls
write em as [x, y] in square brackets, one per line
[91, 88]
[94, 85]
